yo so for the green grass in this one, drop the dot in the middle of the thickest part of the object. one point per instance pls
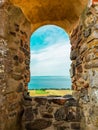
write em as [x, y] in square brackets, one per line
[40, 91]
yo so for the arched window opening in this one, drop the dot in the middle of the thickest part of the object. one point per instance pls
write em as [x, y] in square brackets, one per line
[50, 60]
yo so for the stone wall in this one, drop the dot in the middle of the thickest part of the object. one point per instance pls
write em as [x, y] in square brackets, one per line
[52, 113]
[14, 65]
[84, 67]
[17, 111]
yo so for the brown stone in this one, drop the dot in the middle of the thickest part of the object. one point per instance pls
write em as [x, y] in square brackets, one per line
[91, 65]
[11, 85]
[62, 127]
[11, 97]
[78, 61]
[47, 115]
[83, 48]
[16, 27]
[20, 87]
[89, 57]
[38, 124]
[80, 69]
[73, 41]
[28, 113]
[13, 107]
[41, 101]
[86, 85]
[56, 123]
[75, 126]
[15, 58]
[17, 76]
[59, 101]
[90, 20]
[75, 30]
[13, 34]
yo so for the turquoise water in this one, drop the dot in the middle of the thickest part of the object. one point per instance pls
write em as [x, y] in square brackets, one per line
[50, 82]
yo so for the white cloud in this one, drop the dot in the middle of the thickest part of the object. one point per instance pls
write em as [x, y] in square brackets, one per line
[53, 60]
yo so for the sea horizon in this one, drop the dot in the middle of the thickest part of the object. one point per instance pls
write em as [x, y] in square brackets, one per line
[49, 82]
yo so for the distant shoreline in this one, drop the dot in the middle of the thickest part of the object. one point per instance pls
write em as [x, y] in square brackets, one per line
[52, 89]
[50, 92]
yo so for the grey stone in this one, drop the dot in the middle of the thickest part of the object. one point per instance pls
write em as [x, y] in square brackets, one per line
[95, 34]
[73, 54]
[87, 32]
[72, 70]
[93, 77]
[94, 95]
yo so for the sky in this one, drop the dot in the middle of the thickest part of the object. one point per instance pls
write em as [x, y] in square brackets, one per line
[50, 52]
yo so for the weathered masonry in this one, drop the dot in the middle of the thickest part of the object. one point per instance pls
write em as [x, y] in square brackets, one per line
[84, 67]
[18, 111]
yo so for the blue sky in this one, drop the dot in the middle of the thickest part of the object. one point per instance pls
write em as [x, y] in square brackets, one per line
[50, 52]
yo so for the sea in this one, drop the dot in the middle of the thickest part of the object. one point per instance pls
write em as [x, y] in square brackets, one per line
[49, 82]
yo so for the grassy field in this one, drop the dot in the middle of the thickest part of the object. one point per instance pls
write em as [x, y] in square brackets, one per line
[49, 92]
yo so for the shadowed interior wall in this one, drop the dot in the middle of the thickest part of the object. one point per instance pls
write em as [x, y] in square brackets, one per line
[14, 65]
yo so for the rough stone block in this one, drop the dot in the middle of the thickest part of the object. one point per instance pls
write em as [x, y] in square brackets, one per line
[75, 126]
[3, 23]
[94, 96]
[28, 114]
[20, 87]
[73, 54]
[11, 85]
[38, 124]
[78, 60]
[79, 69]
[89, 57]
[93, 78]
[95, 34]
[72, 70]
[87, 32]
[83, 48]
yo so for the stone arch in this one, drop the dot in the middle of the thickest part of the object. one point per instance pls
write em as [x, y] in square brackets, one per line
[64, 25]
[14, 61]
